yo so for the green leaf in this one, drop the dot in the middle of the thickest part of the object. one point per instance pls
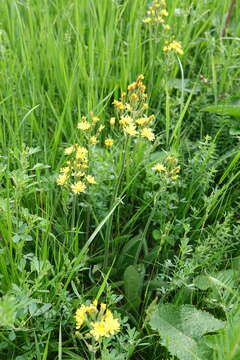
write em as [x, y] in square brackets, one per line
[182, 328]
[231, 110]
[133, 283]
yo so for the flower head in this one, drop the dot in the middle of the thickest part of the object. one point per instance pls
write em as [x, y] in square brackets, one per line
[148, 133]
[83, 125]
[108, 142]
[90, 179]
[159, 167]
[78, 187]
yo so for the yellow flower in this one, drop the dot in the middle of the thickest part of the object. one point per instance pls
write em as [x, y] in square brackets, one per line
[130, 130]
[83, 125]
[65, 170]
[134, 97]
[132, 86]
[174, 46]
[103, 307]
[140, 77]
[166, 27]
[95, 119]
[164, 12]
[80, 316]
[142, 121]
[101, 127]
[90, 179]
[93, 140]
[128, 107]
[112, 121]
[159, 167]
[112, 324]
[99, 329]
[108, 142]
[108, 326]
[147, 20]
[118, 104]
[69, 150]
[126, 120]
[62, 179]
[78, 187]
[176, 170]
[81, 153]
[171, 160]
[147, 133]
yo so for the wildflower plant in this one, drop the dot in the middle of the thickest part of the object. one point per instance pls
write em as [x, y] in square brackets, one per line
[99, 322]
[156, 17]
[131, 111]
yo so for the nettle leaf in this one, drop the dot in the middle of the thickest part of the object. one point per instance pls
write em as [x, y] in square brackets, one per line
[231, 110]
[181, 329]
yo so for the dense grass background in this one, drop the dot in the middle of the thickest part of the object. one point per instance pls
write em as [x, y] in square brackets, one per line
[129, 241]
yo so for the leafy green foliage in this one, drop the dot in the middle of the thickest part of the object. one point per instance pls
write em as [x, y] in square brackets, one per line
[181, 329]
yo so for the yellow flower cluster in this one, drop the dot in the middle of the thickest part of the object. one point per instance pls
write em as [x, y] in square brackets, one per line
[74, 174]
[156, 13]
[174, 46]
[101, 322]
[169, 168]
[131, 108]
[88, 126]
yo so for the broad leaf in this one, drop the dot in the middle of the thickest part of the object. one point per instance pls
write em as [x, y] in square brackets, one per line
[133, 284]
[181, 329]
[231, 110]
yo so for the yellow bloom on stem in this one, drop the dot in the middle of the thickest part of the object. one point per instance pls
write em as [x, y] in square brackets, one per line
[83, 125]
[112, 324]
[95, 119]
[80, 316]
[101, 127]
[69, 150]
[130, 130]
[118, 104]
[62, 179]
[147, 20]
[112, 121]
[78, 187]
[164, 12]
[159, 167]
[93, 140]
[166, 27]
[81, 153]
[65, 170]
[108, 142]
[90, 179]
[108, 326]
[134, 97]
[126, 120]
[99, 329]
[171, 160]
[148, 133]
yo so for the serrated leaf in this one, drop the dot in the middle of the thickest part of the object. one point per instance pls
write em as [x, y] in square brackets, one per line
[133, 284]
[231, 110]
[181, 329]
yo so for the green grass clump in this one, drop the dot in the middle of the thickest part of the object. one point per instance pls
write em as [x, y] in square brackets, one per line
[119, 171]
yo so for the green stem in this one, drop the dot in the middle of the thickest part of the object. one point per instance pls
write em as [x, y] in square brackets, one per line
[114, 198]
[144, 233]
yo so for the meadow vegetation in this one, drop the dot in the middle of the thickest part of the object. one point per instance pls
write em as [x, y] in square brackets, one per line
[119, 180]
